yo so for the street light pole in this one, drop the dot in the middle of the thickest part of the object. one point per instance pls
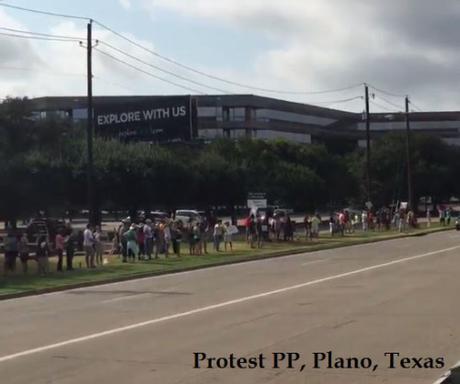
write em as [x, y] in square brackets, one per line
[368, 145]
[410, 189]
[89, 129]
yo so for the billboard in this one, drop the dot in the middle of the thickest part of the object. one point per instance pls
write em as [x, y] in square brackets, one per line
[257, 200]
[160, 120]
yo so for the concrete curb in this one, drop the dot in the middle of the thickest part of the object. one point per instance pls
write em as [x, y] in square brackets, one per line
[242, 259]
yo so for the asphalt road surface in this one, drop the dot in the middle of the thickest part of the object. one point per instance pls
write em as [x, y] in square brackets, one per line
[358, 302]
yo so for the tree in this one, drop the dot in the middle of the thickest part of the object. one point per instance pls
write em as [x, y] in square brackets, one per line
[435, 173]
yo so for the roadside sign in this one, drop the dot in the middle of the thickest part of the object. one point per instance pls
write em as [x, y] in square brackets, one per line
[257, 196]
[257, 203]
[257, 200]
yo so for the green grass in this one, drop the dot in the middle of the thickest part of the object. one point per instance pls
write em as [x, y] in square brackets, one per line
[19, 283]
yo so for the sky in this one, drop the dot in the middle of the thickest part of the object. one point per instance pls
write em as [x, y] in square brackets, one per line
[294, 47]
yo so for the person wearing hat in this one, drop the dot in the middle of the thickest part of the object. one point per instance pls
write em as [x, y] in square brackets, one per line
[131, 242]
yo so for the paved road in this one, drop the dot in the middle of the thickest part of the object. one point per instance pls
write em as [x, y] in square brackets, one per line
[395, 296]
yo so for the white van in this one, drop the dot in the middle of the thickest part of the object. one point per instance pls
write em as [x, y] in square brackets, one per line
[188, 215]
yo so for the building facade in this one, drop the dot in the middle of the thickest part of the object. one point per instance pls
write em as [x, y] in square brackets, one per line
[210, 117]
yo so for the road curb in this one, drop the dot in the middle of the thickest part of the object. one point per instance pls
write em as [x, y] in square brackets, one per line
[270, 255]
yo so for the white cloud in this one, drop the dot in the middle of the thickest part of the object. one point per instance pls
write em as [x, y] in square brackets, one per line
[43, 68]
[126, 4]
[408, 47]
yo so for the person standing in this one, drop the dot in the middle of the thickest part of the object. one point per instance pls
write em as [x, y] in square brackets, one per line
[442, 216]
[167, 237]
[141, 241]
[10, 245]
[42, 253]
[131, 243]
[364, 221]
[218, 235]
[175, 237]
[197, 240]
[204, 228]
[260, 232]
[331, 225]
[428, 218]
[159, 239]
[402, 220]
[315, 221]
[227, 236]
[88, 246]
[59, 241]
[148, 238]
[69, 247]
[307, 226]
[23, 248]
[252, 231]
[122, 229]
[98, 246]
[448, 215]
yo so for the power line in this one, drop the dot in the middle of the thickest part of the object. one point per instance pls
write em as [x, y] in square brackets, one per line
[415, 107]
[381, 106]
[36, 37]
[386, 92]
[113, 83]
[338, 101]
[146, 72]
[189, 68]
[161, 69]
[51, 73]
[44, 12]
[177, 63]
[41, 34]
[389, 102]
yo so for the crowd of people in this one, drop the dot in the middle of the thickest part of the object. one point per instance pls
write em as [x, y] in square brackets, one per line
[383, 219]
[16, 245]
[149, 239]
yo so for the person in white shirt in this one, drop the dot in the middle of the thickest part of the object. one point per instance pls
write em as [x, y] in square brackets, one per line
[364, 220]
[88, 246]
[98, 246]
[148, 236]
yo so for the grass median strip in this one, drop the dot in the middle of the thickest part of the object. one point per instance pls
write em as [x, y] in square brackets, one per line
[21, 285]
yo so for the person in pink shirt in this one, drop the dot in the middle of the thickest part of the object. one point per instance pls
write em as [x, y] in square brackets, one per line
[60, 244]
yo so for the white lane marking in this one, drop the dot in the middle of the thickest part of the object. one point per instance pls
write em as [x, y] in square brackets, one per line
[313, 262]
[217, 306]
[443, 378]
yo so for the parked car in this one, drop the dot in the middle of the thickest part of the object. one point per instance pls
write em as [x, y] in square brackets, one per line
[280, 213]
[188, 215]
[44, 226]
[158, 215]
[457, 224]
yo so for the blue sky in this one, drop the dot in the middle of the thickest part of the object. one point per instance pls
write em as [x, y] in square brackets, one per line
[406, 47]
[161, 26]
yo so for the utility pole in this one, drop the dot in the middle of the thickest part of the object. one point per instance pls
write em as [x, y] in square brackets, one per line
[410, 189]
[368, 144]
[89, 129]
